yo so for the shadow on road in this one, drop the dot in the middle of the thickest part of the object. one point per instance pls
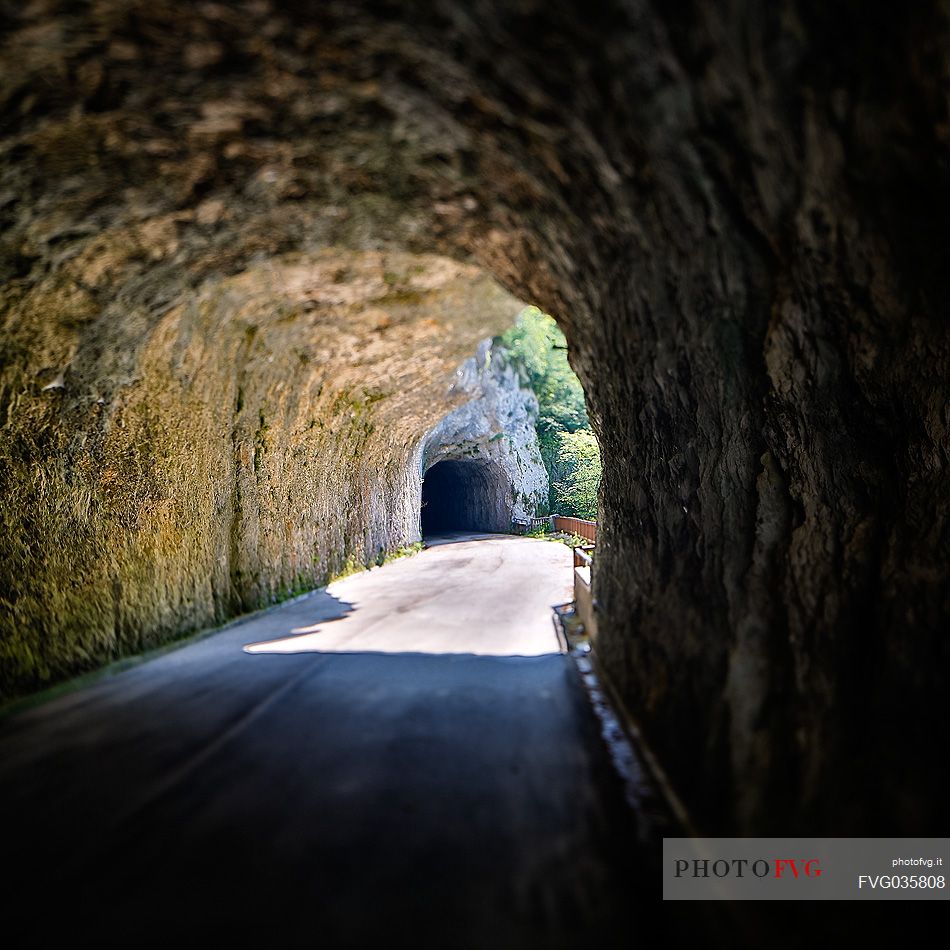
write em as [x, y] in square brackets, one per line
[318, 609]
[466, 799]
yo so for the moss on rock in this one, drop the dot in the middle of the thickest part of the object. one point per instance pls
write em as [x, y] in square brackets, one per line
[248, 442]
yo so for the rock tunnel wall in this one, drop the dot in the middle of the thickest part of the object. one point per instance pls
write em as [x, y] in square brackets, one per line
[739, 214]
[163, 469]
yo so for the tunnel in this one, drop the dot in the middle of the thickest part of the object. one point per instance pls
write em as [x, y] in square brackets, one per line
[739, 215]
[465, 495]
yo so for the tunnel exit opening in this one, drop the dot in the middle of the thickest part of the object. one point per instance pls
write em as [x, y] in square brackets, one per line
[465, 495]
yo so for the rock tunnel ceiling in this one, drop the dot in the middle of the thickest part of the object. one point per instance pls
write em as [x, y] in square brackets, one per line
[737, 215]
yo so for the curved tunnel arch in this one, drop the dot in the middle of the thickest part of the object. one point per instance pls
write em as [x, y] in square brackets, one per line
[465, 495]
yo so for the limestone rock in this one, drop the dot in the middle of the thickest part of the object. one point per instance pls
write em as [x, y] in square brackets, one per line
[494, 435]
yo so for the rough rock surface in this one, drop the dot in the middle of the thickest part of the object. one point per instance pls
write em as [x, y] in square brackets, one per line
[739, 213]
[492, 436]
[222, 451]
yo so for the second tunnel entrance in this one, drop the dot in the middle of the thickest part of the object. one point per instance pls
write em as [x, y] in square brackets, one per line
[465, 495]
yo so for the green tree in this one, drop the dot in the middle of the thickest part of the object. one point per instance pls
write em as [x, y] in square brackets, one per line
[575, 491]
[569, 449]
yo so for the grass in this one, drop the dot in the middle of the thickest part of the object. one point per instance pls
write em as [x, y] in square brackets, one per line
[406, 551]
[571, 540]
[353, 565]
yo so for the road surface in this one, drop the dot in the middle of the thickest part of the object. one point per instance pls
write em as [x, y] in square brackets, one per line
[487, 595]
[405, 756]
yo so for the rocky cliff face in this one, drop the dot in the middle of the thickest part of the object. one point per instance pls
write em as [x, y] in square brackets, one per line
[492, 444]
[737, 211]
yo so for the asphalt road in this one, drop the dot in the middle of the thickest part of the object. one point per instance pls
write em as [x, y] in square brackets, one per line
[404, 757]
[486, 595]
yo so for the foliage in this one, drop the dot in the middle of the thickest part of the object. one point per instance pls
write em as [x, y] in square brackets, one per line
[578, 460]
[568, 446]
[405, 551]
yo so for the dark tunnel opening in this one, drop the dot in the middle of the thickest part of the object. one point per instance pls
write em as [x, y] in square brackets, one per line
[465, 495]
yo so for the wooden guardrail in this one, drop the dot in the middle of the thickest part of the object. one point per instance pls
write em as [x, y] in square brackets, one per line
[584, 605]
[584, 555]
[580, 527]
